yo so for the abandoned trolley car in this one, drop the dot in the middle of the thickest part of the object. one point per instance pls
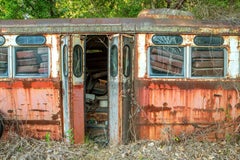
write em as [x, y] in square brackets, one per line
[111, 79]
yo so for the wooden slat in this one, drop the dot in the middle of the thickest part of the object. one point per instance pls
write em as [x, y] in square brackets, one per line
[27, 69]
[165, 68]
[43, 50]
[207, 71]
[25, 54]
[26, 62]
[206, 54]
[166, 54]
[167, 60]
[44, 64]
[208, 64]
[3, 57]
[3, 64]
[42, 70]
[44, 57]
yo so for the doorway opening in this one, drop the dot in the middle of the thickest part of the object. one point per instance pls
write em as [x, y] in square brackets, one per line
[96, 89]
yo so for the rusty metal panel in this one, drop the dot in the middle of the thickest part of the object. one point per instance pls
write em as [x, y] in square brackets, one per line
[34, 107]
[78, 113]
[169, 104]
[178, 105]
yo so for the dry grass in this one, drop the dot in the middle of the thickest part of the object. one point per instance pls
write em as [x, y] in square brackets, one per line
[27, 149]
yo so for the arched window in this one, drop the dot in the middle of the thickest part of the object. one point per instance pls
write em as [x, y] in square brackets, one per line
[77, 60]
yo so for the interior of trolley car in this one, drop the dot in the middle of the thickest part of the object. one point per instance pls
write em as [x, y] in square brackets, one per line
[96, 88]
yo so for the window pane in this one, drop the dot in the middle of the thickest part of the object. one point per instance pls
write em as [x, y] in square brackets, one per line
[2, 40]
[3, 61]
[164, 39]
[77, 60]
[28, 40]
[208, 62]
[114, 61]
[208, 40]
[65, 60]
[32, 61]
[166, 61]
[126, 60]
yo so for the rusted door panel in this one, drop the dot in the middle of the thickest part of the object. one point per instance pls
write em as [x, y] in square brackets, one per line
[127, 57]
[78, 113]
[115, 126]
[120, 88]
[169, 104]
[77, 98]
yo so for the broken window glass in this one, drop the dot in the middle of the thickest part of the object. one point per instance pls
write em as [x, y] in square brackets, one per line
[166, 61]
[167, 40]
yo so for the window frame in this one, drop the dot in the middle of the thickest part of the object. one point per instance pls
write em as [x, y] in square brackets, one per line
[213, 46]
[127, 58]
[30, 36]
[208, 44]
[80, 55]
[113, 72]
[26, 75]
[225, 59]
[168, 37]
[167, 76]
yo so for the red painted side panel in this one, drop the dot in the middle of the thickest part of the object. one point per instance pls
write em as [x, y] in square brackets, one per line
[33, 106]
[178, 107]
[78, 113]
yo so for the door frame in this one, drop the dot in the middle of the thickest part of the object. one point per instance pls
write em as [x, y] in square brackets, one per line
[119, 106]
[65, 41]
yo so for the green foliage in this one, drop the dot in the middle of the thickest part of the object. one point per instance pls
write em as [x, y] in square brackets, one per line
[20, 9]
[48, 137]
[215, 9]
[70, 136]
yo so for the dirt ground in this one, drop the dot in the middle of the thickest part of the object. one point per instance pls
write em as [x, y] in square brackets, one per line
[19, 148]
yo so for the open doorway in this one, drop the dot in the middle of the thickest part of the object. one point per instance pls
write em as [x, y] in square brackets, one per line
[96, 89]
